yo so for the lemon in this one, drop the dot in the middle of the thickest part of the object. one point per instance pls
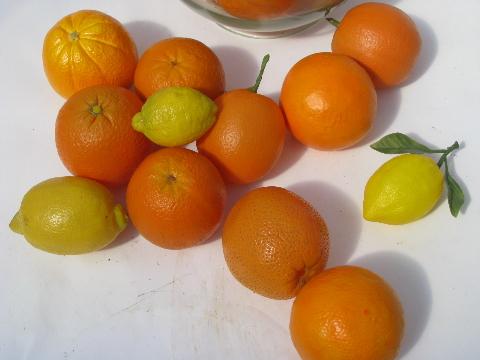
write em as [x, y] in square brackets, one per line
[402, 190]
[175, 116]
[69, 215]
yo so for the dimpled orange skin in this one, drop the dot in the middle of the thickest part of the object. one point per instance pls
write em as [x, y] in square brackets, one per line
[180, 62]
[256, 9]
[274, 241]
[383, 39]
[347, 313]
[248, 137]
[101, 146]
[88, 48]
[329, 101]
[176, 198]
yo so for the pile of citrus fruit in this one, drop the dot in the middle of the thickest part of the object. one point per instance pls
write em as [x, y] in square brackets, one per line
[274, 242]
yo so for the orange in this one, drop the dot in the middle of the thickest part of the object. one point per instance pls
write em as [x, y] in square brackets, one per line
[329, 101]
[94, 135]
[88, 48]
[382, 38]
[347, 313]
[274, 242]
[180, 62]
[176, 198]
[248, 137]
[256, 9]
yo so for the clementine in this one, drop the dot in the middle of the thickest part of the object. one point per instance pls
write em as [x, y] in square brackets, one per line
[176, 198]
[94, 137]
[180, 62]
[88, 48]
[248, 137]
[274, 242]
[347, 313]
[382, 38]
[329, 101]
[256, 9]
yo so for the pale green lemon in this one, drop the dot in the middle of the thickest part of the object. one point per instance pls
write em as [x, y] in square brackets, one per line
[69, 215]
[402, 190]
[175, 116]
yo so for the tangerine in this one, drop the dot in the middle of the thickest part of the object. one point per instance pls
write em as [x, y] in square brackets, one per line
[180, 62]
[176, 198]
[347, 313]
[248, 136]
[88, 48]
[329, 101]
[256, 9]
[274, 242]
[382, 38]
[94, 136]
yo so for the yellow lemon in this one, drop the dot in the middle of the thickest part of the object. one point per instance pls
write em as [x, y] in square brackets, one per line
[175, 116]
[69, 215]
[402, 190]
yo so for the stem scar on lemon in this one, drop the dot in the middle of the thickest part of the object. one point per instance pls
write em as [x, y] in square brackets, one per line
[407, 187]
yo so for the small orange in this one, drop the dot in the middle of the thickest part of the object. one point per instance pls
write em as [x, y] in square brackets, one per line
[274, 242]
[176, 198]
[88, 48]
[329, 101]
[347, 313]
[180, 62]
[256, 9]
[248, 137]
[94, 135]
[382, 38]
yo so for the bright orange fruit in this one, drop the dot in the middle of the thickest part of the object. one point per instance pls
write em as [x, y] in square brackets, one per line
[88, 48]
[274, 242]
[94, 136]
[382, 38]
[180, 62]
[248, 137]
[347, 313]
[176, 198]
[256, 9]
[329, 101]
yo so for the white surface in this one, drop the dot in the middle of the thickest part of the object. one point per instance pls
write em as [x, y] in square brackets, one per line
[135, 300]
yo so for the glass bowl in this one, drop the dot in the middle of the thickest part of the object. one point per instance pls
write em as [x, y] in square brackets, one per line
[263, 18]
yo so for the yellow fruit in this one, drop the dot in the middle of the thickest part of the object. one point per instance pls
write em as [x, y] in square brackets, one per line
[175, 116]
[69, 215]
[402, 190]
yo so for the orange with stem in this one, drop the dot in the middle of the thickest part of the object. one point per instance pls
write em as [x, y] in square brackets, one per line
[248, 136]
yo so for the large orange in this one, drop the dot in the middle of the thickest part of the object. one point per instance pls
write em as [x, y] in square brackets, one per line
[274, 242]
[256, 9]
[180, 62]
[176, 198]
[248, 137]
[382, 38]
[88, 48]
[94, 135]
[329, 101]
[347, 313]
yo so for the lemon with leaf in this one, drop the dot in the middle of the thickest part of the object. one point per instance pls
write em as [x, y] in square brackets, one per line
[407, 187]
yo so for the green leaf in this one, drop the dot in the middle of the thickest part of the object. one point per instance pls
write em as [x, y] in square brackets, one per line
[398, 143]
[456, 197]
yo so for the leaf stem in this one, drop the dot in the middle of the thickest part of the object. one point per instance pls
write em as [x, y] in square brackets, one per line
[333, 21]
[448, 151]
[255, 87]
